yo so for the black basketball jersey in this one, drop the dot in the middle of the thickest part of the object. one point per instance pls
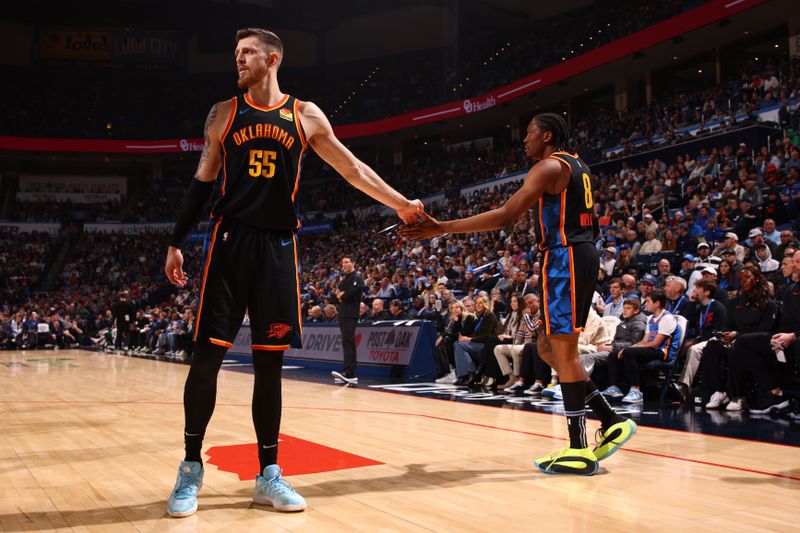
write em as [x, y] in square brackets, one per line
[567, 218]
[262, 157]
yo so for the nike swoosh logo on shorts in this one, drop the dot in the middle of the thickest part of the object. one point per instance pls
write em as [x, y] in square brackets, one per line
[286, 243]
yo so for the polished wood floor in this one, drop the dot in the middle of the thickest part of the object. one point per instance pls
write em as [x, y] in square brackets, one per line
[91, 442]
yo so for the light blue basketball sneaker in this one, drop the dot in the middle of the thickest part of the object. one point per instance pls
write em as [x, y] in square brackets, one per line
[272, 489]
[183, 500]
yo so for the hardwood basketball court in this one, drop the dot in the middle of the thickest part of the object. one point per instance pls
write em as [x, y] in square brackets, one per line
[91, 442]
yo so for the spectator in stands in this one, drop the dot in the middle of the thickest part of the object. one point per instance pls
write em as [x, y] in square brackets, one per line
[787, 241]
[647, 286]
[57, 334]
[460, 324]
[613, 306]
[765, 261]
[755, 238]
[632, 240]
[687, 266]
[468, 348]
[731, 242]
[602, 285]
[669, 242]
[138, 329]
[396, 311]
[386, 291]
[46, 337]
[703, 252]
[660, 344]
[749, 218]
[685, 243]
[678, 302]
[650, 224]
[609, 261]
[157, 327]
[508, 329]
[186, 338]
[526, 334]
[378, 312]
[330, 314]
[711, 317]
[496, 302]
[751, 312]
[664, 271]
[431, 311]
[626, 262]
[728, 280]
[363, 313]
[76, 334]
[504, 283]
[629, 331]
[315, 314]
[594, 333]
[6, 336]
[652, 245]
[727, 254]
[713, 232]
[167, 343]
[771, 232]
[629, 287]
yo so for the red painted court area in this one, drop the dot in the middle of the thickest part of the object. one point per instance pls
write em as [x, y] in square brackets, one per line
[298, 457]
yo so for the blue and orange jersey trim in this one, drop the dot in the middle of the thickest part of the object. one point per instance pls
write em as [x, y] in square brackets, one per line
[254, 105]
[220, 342]
[544, 293]
[302, 134]
[297, 282]
[234, 105]
[269, 347]
[209, 254]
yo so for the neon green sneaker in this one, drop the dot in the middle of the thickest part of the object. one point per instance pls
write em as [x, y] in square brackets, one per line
[576, 461]
[613, 438]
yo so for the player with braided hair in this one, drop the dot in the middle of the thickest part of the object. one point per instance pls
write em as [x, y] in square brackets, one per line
[559, 189]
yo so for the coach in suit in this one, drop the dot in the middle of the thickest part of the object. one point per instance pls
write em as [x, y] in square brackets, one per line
[349, 294]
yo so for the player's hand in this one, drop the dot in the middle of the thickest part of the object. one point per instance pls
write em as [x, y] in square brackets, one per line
[728, 337]
[174, 267]
[409, 213]
[426, 228]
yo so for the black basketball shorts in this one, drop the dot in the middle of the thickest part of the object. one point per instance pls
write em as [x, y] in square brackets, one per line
[569, 278]
[253, 271]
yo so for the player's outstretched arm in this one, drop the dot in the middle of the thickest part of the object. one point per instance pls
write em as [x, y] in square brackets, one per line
[198, 192]
[358, 174]
[543, 174]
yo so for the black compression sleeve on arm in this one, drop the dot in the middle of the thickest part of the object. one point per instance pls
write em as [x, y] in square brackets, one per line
[192, 207]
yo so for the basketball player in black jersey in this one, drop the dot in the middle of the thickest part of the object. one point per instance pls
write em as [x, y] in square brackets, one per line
[559, 189]
[258, 141]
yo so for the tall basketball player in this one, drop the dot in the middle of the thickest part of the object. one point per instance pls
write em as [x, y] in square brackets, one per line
[559, 188]
[258, 140]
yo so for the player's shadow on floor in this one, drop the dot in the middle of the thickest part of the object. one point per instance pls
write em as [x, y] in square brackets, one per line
[107, 516]
[417, 477]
